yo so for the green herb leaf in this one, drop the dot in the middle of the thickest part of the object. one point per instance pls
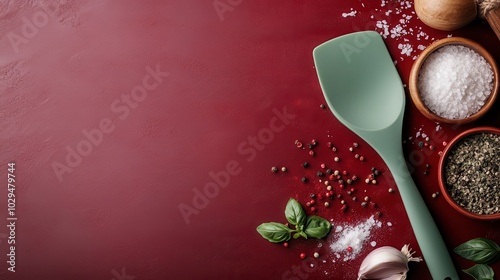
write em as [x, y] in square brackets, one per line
[317, 227]
[479, 250]
[303, 234]
[296, 235]
[275, 232]
[294, 213]
[480, 272]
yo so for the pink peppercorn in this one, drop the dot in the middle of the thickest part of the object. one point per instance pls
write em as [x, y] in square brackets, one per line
[362, 158]
[311, 153]
[302, 255]
[313, 209]
[298, 144]
[323, 165]
[329, 145]
[285, 244]
[349, 249]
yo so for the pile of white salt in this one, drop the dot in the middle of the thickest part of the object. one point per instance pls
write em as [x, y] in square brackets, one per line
[455, 82]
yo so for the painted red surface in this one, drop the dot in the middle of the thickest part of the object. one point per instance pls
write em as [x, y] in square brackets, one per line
[119, 113]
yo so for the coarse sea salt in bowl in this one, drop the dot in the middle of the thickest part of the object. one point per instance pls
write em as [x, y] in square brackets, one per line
[454, 81]
[469, 173]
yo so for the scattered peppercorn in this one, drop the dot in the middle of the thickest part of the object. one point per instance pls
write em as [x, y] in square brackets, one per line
[327, 204]
[364, 204]
[305, 164]
[316, 255]
[304, 180]
[329, 172]
[302, 255]
[285, 244]
[283, 169]
[311, 153]
[391, 190]
[322, 106]
[274, 169]
[298, 144]
[320, 174]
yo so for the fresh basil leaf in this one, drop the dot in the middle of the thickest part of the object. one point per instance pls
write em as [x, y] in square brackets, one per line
[294, 213]
[274, 232]
[480, 272]
[317, 227]
[479, 250]
[296, 235]
[303, 234]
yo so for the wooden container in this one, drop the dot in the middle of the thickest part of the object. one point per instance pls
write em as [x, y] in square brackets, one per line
[415, 70]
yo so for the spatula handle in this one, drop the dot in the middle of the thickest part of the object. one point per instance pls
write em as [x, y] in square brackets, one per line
[429, 239]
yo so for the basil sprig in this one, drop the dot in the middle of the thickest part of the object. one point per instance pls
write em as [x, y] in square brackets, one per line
[482, 251]
[305, 226]
[479, 250]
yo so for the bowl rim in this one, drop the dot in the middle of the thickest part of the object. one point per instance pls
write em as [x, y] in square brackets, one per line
[441, 165]
[417, 65]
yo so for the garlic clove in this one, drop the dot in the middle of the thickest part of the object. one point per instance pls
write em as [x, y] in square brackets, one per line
[386, 263]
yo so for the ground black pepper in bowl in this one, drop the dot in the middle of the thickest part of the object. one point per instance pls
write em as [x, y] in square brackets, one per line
[472, 173]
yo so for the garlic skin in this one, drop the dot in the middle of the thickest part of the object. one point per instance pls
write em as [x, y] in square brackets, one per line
[387, 263]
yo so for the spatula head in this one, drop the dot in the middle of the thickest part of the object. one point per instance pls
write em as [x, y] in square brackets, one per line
[359, 81]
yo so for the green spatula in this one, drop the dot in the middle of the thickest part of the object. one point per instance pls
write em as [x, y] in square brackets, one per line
[365, 93]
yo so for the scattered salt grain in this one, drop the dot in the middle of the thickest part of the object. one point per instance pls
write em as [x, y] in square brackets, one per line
[389, 224]
[353, 237]
[455, 81]
[373, 243]
[350, 14]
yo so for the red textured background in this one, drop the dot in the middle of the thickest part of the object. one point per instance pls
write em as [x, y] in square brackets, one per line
[116, 214]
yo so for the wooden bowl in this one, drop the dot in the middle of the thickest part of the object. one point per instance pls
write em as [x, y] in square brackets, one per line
[415, 71]
[441, 170]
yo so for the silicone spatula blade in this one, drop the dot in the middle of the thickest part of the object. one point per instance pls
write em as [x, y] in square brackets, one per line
[364, 91]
